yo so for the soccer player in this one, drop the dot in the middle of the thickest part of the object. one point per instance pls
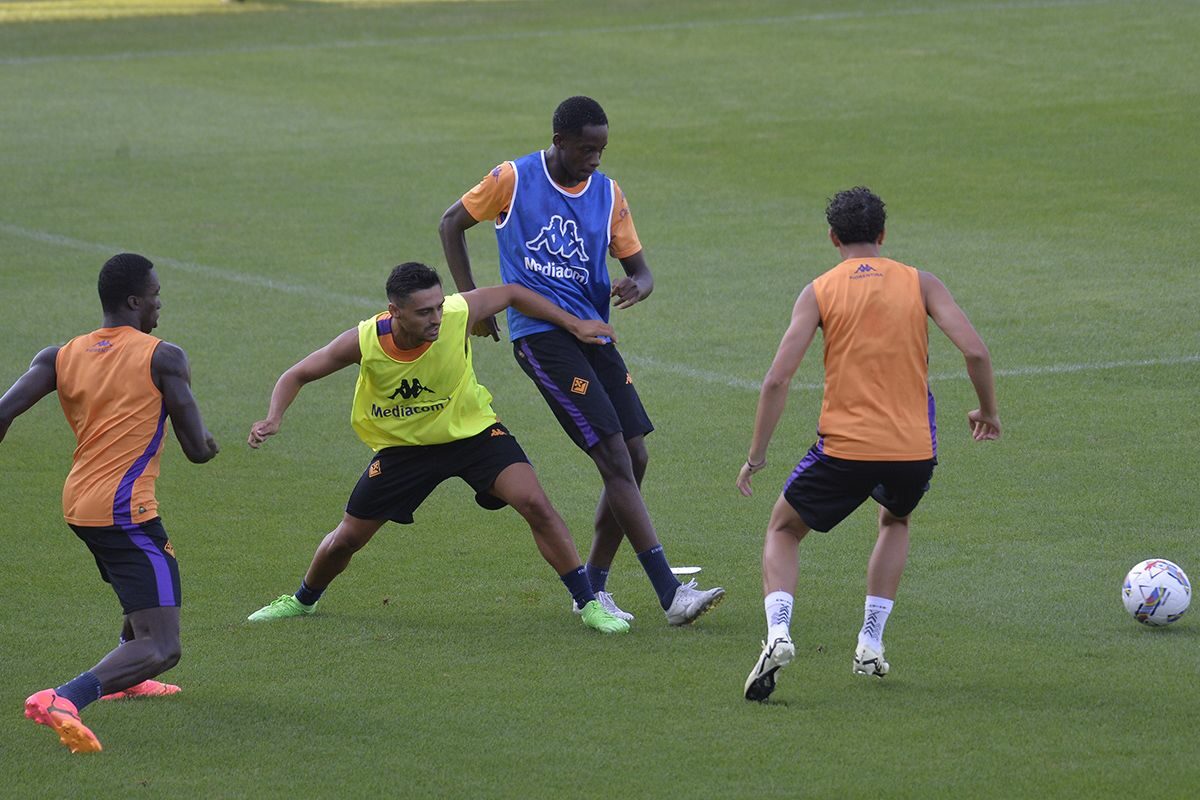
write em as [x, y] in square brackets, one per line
[877, 435]
[419, 406]
[117, 386]
[556, 215]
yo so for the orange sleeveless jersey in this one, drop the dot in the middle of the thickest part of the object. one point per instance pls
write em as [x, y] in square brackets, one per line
[877, 404]
[119, 418]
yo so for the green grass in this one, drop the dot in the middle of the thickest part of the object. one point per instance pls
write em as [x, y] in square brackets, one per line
[1039, 157]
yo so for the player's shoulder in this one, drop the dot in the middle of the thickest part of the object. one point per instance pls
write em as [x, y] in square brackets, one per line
[455, 304]
[168, 357]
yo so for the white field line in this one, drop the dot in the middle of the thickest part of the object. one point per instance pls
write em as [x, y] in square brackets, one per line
[218, 273]
[722, 379]
[364, 304]
[566, 35]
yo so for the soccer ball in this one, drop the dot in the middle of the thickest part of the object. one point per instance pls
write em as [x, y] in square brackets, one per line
[1156, 592]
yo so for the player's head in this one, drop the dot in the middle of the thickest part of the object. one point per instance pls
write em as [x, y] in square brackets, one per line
[580, 136]
[409, 277]
[128, 288]
[856, 216]
[415, 300]
[576, 113]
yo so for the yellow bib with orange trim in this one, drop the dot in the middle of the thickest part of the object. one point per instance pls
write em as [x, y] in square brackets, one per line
[416, 397]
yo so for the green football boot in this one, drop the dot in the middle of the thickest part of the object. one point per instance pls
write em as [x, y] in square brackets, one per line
[286, 606]
[595, 617]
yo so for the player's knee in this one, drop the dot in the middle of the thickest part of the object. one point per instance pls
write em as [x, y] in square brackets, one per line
[167, 653]
[535, 508]
[639, 457]
[612, 458]
[343, 542]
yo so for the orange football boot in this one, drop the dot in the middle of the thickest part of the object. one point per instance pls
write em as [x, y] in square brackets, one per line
[144, 689]
[60, 715]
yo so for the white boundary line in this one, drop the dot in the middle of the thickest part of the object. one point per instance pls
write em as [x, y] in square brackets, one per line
[346, 44]
[653, 364]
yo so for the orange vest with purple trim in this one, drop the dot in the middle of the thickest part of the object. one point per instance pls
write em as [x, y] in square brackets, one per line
[118, 416]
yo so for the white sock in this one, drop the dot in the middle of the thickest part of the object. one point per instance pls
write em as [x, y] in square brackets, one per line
[779, 615]
[875, 614]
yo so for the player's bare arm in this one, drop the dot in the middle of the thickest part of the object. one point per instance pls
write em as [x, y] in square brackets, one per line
[772, 399]
[490, 300]
[452, 230]
[37, 382]
[338, 354]
[946, 314]
[637, 284]
[171, 374]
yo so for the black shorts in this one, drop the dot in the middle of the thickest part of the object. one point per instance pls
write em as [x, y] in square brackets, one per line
[825, 490]
[398, 479]
[139, 562]
[587, 386]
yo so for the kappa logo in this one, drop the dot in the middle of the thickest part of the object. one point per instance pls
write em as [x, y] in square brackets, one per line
[499, 432]
[169, 549]
[866, 271]
[375, 469]
[409, 390]
[102, 346]
[628, 379]
[560, 237]
[579, 386]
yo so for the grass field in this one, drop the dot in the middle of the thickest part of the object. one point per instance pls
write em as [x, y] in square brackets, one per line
[276, 158]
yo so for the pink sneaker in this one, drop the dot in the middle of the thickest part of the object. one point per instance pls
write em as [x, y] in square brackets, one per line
[60, 715]
[144, 689]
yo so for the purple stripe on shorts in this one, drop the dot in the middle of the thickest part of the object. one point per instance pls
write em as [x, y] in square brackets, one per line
[589, 435]
[804, 464]
[932, 421]
[123, 517]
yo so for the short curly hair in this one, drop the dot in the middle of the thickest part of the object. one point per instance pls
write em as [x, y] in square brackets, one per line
[123, 276]
[856, 215]
[409, 277]
[576, 113]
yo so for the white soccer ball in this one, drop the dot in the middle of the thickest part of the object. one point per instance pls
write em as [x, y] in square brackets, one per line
[1156, 592]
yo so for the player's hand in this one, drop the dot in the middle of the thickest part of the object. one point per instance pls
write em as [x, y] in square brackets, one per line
[626, 292]
[743, 478]
[486, 327]
[211, 443]
[260, 430]
[984, 427]
[593, 331]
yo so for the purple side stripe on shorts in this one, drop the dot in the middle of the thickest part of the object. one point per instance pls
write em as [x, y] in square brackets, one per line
[932, 421]
[804, 464]
[589, 435]
[123, 516]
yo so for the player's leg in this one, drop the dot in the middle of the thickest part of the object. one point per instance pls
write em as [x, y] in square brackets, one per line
[889, 557]
[494, 464]
[608, 532]
[139, 562]
[518, 486]
[395, 482]
[331, 558]
[884, 569]
[901, 487]
[780, 567]
[154, 649]
[148, 687]
[577, 395]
